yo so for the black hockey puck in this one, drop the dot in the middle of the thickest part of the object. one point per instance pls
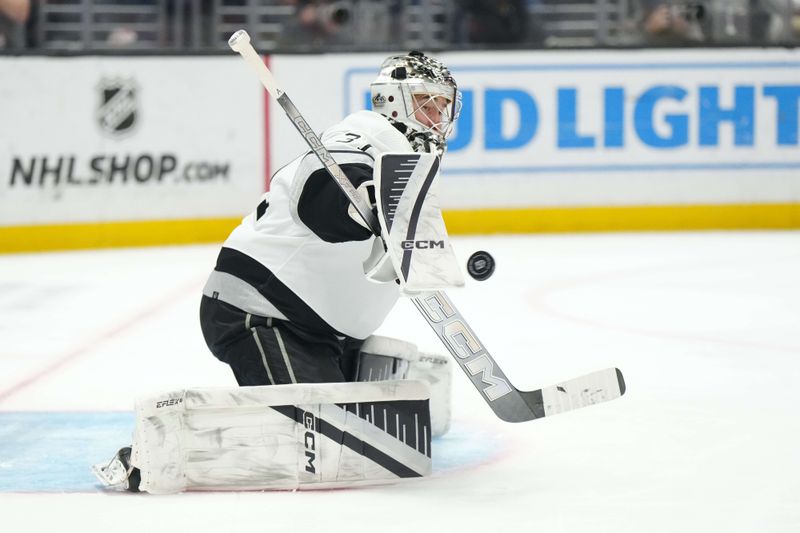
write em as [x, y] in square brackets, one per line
[480, 265]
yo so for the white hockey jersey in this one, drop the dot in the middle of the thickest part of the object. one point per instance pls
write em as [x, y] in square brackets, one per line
[298, 256]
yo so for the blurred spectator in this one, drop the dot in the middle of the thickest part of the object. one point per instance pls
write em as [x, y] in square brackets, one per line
[318, 22]
[122, 36]
[12, 13]
[774, 21]
[135, 22]
[795, 16]
[671, 23]
[497, 22]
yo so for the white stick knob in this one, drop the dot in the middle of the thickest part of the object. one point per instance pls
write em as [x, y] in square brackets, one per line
[239, 40]
[240, 43]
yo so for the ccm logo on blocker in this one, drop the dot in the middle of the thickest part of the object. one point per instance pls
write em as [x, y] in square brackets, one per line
[422, 245]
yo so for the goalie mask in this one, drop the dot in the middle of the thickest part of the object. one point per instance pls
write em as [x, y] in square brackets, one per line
[419, 95]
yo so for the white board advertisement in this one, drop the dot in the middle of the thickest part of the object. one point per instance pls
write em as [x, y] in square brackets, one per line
[103, 139]
[97, 139]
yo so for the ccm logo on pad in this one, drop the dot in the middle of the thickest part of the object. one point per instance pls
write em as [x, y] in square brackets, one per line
[310, 442]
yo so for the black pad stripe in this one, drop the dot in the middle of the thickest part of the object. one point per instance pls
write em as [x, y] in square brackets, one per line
[394, 176]
[405, 264]
[351, 441]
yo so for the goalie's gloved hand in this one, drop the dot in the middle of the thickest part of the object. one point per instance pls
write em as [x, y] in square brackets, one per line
[367, 191]
[378, 266]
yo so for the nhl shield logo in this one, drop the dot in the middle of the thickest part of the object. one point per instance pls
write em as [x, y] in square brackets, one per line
[116, 113]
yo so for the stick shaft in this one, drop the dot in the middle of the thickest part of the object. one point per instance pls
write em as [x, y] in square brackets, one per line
[252, 58]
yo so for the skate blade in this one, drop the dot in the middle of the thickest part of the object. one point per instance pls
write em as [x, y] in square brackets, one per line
[112, 476]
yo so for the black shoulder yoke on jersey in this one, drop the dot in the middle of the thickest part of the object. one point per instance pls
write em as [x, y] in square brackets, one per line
[323, 206]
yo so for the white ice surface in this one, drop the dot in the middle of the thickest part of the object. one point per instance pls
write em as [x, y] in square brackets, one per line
[705, 327]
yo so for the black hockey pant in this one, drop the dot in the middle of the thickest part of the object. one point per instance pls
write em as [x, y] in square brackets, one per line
[267, 351]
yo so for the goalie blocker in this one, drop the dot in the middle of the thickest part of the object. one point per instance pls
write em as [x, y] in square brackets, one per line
[414, 248]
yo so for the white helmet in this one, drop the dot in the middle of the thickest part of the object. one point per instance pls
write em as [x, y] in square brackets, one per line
[419, 95]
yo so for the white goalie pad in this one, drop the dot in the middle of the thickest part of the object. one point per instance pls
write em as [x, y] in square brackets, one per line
[283, 436]
[406, 194]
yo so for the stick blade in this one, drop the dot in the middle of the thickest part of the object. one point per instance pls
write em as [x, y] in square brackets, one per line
[583, 391]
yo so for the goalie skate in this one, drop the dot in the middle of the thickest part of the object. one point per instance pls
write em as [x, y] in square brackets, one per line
[118, 474]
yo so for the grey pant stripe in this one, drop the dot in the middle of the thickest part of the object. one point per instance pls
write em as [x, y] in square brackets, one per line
[285, 355]
[263, 356]
[247, 321]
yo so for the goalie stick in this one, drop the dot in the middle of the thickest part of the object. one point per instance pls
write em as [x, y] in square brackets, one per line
[507, 402]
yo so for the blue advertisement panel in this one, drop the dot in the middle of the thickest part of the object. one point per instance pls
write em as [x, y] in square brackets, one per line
[625, 127]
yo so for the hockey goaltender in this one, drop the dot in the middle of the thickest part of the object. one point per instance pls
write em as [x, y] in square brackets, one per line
[297, 292]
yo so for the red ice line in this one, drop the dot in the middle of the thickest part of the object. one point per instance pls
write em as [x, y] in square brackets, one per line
[91, 344]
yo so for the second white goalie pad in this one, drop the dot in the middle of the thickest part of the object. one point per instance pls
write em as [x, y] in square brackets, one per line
[283, 436]
[382, 358]
[406, 194]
